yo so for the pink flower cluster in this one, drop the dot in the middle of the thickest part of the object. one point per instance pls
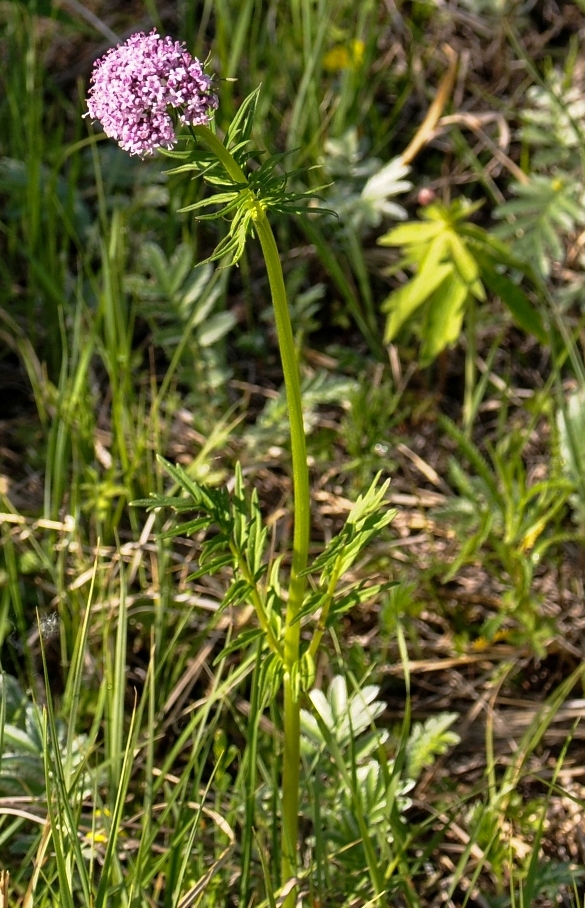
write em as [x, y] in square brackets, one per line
[135, 83]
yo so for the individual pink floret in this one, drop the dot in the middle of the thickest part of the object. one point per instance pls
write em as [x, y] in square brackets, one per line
[135, 83]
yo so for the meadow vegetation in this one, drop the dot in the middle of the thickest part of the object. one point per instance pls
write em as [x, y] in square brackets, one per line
[435, 281]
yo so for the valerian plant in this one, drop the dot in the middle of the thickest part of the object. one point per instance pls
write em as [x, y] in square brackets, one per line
[142, 92]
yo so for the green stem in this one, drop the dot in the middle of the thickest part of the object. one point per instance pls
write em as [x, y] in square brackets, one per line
[302, 519]
[322, 623]
[259, 608]
[230, 165]
[302, 516]
[470, 353]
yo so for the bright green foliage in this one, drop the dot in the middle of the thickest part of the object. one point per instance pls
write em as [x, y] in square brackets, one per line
[453, 261]
[361, 194]
[365, 520]
[263, 188]
[238, 544]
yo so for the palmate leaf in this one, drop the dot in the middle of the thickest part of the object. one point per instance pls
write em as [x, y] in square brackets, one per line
[404, 302]
[443, 318]
[446, 274]
[453, 261]
[342, 715]
[415, 233]
[466, 266]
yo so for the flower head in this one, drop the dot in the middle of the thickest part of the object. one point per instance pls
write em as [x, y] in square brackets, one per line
[135, 83]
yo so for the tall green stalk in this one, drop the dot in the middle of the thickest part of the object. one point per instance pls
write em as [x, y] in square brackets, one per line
[470, 354]
[302, 514]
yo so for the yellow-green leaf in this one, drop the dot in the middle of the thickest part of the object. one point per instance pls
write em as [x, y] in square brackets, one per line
[466, 265]
[404, 301]
[444, 317]
[413, 232]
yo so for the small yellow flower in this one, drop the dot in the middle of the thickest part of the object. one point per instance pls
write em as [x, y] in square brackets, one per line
[357, 52]
[482, 643]
[96, 838]
[344, 56]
